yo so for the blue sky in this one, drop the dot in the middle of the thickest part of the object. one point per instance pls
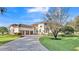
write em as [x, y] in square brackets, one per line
[28, 15]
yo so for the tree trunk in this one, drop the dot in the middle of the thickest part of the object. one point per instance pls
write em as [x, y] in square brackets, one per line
[55, 36]
[2, 33]
[55, 33]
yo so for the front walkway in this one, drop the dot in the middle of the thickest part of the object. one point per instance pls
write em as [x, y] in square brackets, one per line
[28, 43]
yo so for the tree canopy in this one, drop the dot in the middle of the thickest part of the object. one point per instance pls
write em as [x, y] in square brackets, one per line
[67, 30]
[56, 18]
[3, 30]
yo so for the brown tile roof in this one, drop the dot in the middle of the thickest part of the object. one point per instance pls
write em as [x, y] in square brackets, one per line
[34, 25]
[22, 25]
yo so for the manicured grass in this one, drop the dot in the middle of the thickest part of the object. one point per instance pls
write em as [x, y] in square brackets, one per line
[7, 38]
[63, 44]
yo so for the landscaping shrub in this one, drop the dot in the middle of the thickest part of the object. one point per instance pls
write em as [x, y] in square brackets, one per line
[18, 34]
[67, 30]
[69, 35]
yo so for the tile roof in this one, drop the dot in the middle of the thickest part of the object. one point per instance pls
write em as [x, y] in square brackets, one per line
[22, 25]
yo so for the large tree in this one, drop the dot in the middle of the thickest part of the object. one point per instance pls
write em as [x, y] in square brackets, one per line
[76, 23]
[56, 18]
[3, 30]
[68, 29]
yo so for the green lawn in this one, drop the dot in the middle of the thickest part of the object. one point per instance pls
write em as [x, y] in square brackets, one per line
[65, 44]
[7, 38]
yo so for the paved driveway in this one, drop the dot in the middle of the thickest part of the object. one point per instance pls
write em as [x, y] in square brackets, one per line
[28, 43]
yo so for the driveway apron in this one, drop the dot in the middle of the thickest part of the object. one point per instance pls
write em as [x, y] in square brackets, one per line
[27, 43]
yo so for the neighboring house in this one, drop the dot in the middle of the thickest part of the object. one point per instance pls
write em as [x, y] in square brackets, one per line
[34, 29]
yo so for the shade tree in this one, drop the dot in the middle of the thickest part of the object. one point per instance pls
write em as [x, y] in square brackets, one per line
[56, 18]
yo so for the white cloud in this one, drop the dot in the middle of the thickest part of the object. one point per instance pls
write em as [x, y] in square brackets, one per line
[38, 9]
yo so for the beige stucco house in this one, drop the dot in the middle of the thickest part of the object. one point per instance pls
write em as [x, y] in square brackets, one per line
[21, 28]
[34, 29]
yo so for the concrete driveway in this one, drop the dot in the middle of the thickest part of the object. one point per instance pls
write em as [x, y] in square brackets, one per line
[28, 43]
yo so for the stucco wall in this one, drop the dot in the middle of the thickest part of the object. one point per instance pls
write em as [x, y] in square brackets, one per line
[40, 28]
[22, 28]
[14, 30]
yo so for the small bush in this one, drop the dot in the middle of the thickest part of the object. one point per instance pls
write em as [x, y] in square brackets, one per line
[55, 38]
[19, 34]
[67, 30]
[69, 35]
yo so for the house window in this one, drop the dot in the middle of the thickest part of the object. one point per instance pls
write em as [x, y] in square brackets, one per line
[46, 30]
[40, 26]
[36, 31]
[13, 30]
[45, 24]
[39, 30]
